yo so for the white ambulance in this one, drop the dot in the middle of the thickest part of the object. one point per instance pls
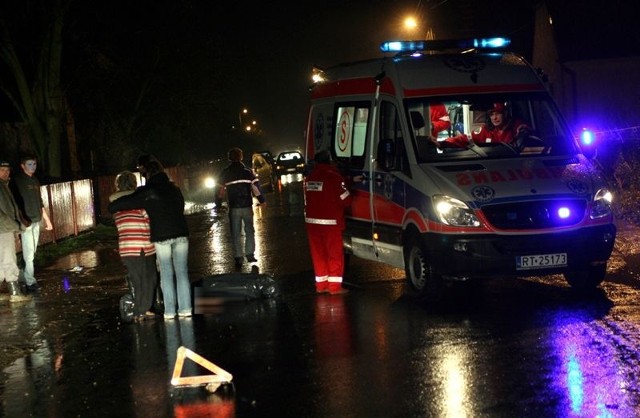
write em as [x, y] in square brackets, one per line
[534, 205]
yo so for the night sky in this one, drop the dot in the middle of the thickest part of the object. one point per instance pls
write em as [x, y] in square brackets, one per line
[207, 59]
[259, 55]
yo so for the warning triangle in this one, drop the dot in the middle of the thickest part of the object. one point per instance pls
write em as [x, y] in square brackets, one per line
[213, 381]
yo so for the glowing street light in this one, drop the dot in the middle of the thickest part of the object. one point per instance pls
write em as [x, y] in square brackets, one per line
[411, 24]
[242, 112]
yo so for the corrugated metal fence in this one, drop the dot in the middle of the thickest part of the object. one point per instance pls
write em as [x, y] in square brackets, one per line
[75, 206]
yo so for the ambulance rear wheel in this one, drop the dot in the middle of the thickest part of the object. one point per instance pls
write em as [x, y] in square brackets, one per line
[588, 279]
[418, 269]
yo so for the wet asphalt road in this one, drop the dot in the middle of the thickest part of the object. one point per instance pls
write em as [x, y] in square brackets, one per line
[498, 348]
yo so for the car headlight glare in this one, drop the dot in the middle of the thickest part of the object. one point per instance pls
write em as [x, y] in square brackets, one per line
[209, 183]
[454, 212]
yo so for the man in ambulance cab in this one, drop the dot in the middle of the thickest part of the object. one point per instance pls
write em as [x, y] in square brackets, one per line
[326, 198]
[499, 128]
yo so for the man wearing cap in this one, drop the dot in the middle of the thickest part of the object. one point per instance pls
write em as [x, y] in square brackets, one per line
[326, 198]
[10, 223]
[499, 128]
[26, 191]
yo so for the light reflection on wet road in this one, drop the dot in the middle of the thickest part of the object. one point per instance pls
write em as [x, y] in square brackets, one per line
[500, 348]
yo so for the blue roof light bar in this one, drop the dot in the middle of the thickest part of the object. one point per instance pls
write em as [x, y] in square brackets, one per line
[438, 45]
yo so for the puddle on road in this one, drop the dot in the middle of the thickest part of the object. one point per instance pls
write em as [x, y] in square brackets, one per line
[86, 259]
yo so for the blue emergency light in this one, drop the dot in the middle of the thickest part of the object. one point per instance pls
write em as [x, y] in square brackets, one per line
[439, 45]
[564, 212]
[586, 137]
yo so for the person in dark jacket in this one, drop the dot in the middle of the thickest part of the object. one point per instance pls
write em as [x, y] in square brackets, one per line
[26, 191]
[241, 186]
[164, 203]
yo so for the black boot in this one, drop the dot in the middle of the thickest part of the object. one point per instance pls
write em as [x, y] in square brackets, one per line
[16, 294]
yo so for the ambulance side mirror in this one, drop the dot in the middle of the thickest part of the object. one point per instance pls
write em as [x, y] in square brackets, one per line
[386, 154]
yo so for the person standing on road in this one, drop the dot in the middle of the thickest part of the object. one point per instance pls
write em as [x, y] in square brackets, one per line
[164, 204]
[10, 222]
[326, 198]
[137, 252]
[26, 191]
[241, 186]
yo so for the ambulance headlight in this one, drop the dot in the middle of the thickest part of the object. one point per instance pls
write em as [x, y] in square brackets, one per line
[601, 205]
[454, 212]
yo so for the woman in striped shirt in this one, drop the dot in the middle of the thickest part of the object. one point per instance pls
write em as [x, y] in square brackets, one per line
[137, 252]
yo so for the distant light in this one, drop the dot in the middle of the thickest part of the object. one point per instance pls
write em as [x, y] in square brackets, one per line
[564, 212]
[586, 137]
[209, 183]
[410, 23]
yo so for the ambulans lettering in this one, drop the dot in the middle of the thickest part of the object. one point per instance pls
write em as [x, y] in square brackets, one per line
[499, 176]
[314, 186]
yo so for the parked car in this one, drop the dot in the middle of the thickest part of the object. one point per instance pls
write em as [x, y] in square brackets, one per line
[289, 162]
[268, 156]
[264, 171]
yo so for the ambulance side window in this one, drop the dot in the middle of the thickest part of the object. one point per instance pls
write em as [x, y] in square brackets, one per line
[349, 142]
[391, 153]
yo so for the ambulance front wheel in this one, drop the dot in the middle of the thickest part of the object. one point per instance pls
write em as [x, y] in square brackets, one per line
[588, 279]
[418, 269]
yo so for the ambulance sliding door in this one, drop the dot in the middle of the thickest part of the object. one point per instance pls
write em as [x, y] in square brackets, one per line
[389, 184]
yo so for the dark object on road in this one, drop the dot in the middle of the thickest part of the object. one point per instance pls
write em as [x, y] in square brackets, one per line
[229, 287]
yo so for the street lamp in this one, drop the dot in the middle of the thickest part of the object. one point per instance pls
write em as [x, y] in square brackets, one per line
[411, 24]
[243, 111]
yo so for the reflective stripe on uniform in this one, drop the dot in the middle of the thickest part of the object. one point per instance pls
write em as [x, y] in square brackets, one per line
[240, 181]
[344, 195]
[321, 221]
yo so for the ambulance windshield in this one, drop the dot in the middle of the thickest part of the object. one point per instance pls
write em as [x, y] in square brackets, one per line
[487, 126]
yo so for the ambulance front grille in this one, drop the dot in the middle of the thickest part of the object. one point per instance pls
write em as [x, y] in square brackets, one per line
[541, 214]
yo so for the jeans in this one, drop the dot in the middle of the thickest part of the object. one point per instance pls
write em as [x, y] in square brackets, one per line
[29, 238]
[238, 216]
[172, 257]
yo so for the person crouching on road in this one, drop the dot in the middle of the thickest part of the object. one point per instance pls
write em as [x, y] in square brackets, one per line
[326, 198]
[11, 222]
[241, 186]
[137, 252]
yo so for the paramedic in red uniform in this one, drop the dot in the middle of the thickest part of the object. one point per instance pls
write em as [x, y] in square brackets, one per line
[439, 118]
[326, 198]
[500, 128]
